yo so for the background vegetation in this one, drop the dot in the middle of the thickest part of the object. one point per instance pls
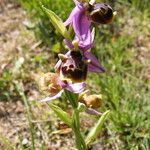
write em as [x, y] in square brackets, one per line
[123, 49]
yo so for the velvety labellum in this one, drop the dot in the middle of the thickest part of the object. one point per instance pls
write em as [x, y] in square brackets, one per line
[101, 13]
[74, 67]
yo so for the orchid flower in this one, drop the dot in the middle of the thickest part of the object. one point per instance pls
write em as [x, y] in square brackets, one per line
[52, 84]
[72, 66]
[82, 16]
[92, 62]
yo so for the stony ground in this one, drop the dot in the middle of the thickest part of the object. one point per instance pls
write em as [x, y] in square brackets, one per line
[12, 116]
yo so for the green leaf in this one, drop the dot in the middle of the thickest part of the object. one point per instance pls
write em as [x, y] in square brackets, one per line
[61, 114]
[97, 128]
[57, 23]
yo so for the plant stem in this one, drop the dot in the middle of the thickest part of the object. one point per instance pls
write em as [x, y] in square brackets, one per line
[80, 143]
[28, 109]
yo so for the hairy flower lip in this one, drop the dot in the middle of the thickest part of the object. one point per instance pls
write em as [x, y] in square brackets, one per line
[102, 13]
[73, 66]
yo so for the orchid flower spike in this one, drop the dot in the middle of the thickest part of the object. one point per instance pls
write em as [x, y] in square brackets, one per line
[54, 86]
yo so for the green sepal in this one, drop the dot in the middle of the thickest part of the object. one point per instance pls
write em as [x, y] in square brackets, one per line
[61, 114]
[73, 98]
[57, 23]
[81, 107]
[97, 128]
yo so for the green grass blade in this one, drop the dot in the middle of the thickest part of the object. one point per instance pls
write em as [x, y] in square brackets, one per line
[28, 109]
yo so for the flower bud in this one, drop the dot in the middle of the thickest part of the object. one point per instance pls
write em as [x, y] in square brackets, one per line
[101, 13]
[91, 101]
[50, 83]
[74, 67]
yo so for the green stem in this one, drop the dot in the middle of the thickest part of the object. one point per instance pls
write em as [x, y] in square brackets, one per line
[80, 143]
[28, 109]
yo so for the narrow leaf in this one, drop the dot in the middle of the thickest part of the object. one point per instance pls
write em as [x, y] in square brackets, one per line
[57, 23]
[97, 128]
[61, 114]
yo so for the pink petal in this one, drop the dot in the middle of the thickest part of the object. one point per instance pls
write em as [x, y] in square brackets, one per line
[92, 111]
[87, 43]
[58, 64]
[81, 25]
[94, 65]
[52, 97]
[74, 12]
[76, 87]
[69, 44]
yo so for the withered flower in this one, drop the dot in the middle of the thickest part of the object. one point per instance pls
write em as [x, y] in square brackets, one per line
[53, 85]
[50, 83]
[92, 102]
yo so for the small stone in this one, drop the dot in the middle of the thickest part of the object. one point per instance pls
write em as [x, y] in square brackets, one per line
[25, 141]
[19, 108]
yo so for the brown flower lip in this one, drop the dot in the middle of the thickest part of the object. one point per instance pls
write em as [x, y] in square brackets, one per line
[100, 13]
[74, 67]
